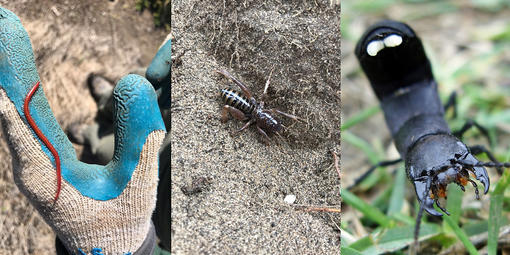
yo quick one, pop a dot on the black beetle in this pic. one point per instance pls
(392, 57)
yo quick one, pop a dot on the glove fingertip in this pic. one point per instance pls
(136, 113)
(159, 69)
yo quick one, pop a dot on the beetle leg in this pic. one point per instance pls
(236, 113)
(468, 125)
(424, 192)
(461, 186)
(245, 125)
(452, 102)
(371, 169)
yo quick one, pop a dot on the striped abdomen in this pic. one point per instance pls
(234, 99)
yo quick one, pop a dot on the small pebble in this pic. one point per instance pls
(289, 199)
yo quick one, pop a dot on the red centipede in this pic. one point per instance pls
(43, 138)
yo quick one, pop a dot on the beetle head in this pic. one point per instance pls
(440, 160)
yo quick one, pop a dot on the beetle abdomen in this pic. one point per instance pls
(234, 99)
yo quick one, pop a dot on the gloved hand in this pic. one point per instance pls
(100, 208)
(158, 72)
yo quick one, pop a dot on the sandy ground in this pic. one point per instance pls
(240, 207)
(70, 39)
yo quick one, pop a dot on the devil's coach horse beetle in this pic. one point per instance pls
(393, 58)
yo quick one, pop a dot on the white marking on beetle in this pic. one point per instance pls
(389, 41)
(392, 40)
(374, 47)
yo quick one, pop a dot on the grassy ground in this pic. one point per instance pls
(468, 43)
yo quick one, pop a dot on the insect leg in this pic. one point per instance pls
(266, 137)
(246, 125)
(233, 111)
(468, 125)
(371, 169)
(243, 87)
(452, 103)
(479, 149)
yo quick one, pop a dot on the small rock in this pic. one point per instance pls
(289, 199)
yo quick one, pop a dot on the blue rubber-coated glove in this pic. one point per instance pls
(99, 208)
(158, 72)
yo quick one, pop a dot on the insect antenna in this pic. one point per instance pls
(478, 149)
(485, 164)
(371, 169)
(264, 94)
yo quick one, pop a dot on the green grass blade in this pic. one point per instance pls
(360, 117)
(495, 218)
(369, 211)
(362, 145)
(349, 251)
(495, 215)
(382, 199)
(406, 219)
(461, 235)
(397, 195)
(394, 239)
(454, 205)
(473, 228)
(370, 153)
(502, 183)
